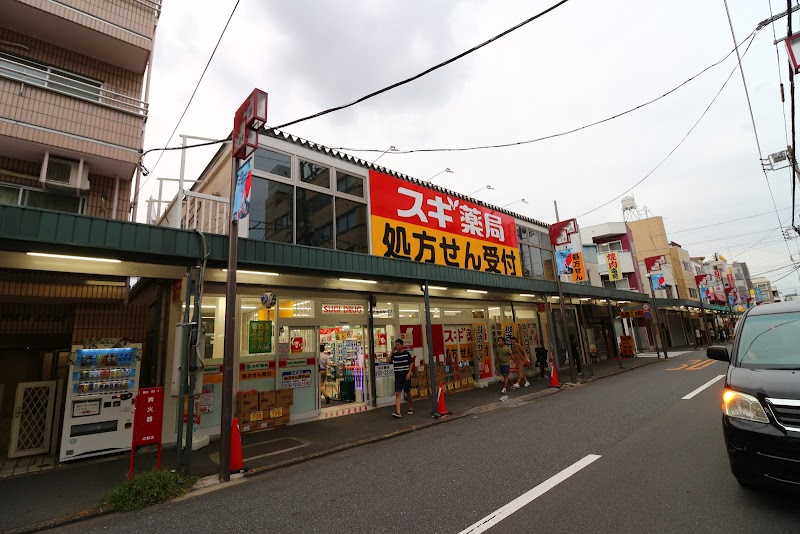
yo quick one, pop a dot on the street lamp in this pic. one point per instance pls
(520, 200)
(390, 149)
(438, 173)
(489, 187)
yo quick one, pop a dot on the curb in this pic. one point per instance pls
(64, 520)
(624, 370)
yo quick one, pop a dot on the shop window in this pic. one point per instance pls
(351, 226)
(54, 201)
(537, 267)
(272, 162)
(295, 308)
(349, 184)
(314, 219)
(524, 254)
(479, 314)
(536, 238)
(408, 310)
(457, 313)
(312, 173)
(271, 211)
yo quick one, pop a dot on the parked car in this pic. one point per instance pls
(761, 400)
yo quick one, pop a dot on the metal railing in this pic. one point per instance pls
(189, 211)
(50, 79)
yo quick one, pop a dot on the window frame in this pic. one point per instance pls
(299, 177)
(49, 70)
(24, 192)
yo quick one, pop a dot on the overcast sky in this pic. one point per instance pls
(583, 62)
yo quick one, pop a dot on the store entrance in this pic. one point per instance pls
(347, 380)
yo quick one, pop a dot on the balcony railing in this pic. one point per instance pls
(195, 211)
(74, 86)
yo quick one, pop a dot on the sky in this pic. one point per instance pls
(578, 64)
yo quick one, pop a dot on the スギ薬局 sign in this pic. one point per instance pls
(413, 222)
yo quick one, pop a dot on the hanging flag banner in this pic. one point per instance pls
(241, 199)
(612, 263)
(703, 280)
(658, 282)
(578, 270)
(759, 295)
(655, 263)
(705, 293)
(564, 261)
(414, 222)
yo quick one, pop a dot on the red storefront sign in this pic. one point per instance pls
(655, 263)
(414, 222)
(147, 422)
(249, 118)
(560, 231)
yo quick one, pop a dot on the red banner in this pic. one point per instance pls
(411, 203)
(655, 263)
(561, 230)
(148, 413)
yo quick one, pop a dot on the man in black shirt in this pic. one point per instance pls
(403, 364)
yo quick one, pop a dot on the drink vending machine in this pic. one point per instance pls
(102, 386)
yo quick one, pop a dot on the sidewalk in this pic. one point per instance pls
(76, 488)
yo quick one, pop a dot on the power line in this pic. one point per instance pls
(726, 222)
(560, 134)
(428, 71)
(189, 103)
(780, 76)
(646, 176)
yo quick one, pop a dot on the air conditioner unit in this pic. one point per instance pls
(64, 173)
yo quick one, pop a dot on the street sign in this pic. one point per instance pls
(646, 307)
(250, 117)
(647, 315)
(147, 421)
(560, 231)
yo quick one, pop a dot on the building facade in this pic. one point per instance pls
(73, 107)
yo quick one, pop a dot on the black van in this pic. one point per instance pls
(761, 401)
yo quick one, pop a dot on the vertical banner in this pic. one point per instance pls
(241, 200)
(483, 358)
(564, 261)
(578, 269)
(658, 282)
(612, 263)
(260, 337)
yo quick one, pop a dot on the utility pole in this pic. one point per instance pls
(657, 329)
(570, 354)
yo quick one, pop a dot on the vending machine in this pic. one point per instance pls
(98, 415)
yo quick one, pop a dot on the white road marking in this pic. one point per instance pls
(526, 498)
(701, 388)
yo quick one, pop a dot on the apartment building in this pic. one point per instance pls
(73, 106)
(615, 237)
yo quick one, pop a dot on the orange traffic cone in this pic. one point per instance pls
(237, 464)
(554, 375)
(441, 408)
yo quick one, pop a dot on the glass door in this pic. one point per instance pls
(384, 337)
(348, 376)
(298, 370)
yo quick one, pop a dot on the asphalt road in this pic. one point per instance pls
(662, 467)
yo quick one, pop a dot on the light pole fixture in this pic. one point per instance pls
(438, 173)
(520, 200)
(390, 149)
(489, 187)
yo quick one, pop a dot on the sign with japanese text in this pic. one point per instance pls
(612, 262)
(249, 118)
(482, 354)
(296, 379)
(655, 263)
(297, 344)
(259, 337)
(148, 413)
(414, 222)
(626, 346)
(578, 269)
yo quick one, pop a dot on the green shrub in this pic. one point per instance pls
(146, 490)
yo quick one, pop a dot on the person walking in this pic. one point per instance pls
(520, 360)
(698, 337)
(541, 361)
(576, 353)
(504, 363)
(403, 366)
(324, 358)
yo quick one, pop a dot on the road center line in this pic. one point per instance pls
(701, 388)
(526, 498)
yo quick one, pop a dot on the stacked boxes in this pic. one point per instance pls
(260, 410)
(421, 382)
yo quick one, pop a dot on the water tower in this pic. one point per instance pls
(631, 212)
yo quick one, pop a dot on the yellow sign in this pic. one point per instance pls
(578, 269)
(626, 346)
(612, 263)
(397, 239)
(256, 374)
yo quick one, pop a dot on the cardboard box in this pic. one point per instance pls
(265, 423)
(251, 417)
(414, 393)
(247, 426)
(266, 400)
(281, 421)
(449, 385)
(284, 397)
(278, 411)
(457, 383)
(414, 382)
(246, 401)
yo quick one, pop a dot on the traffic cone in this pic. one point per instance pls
(441, 408)
(237, 464)
(554, 375)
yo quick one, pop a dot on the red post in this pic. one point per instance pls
(147, 416)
